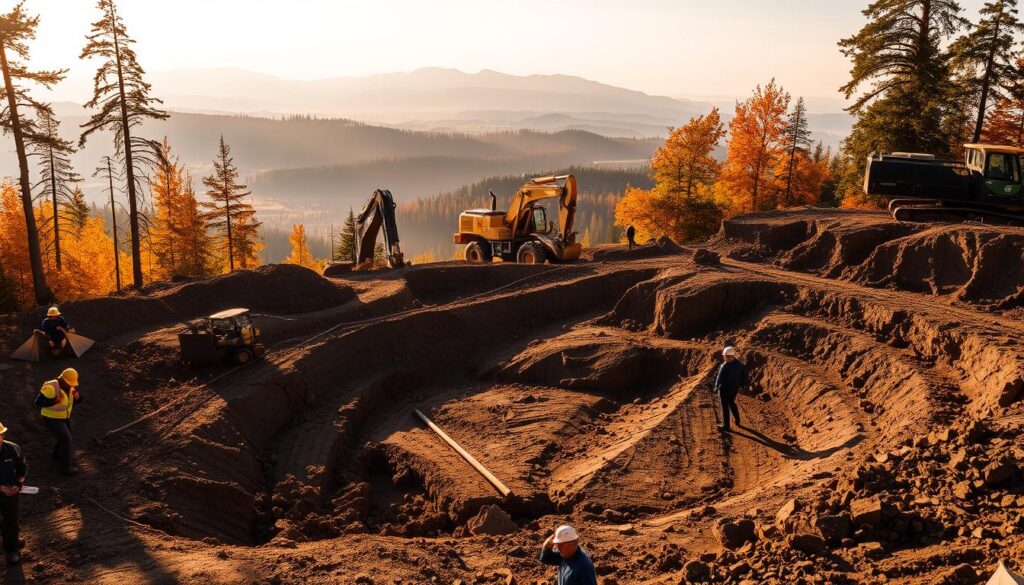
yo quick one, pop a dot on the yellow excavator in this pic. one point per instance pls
(523, 233)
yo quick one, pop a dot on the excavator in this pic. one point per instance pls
(379, 212)
(523, 233)
(987, 186)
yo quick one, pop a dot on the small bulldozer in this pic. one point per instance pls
(225, 336)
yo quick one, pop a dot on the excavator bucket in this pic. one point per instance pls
(29, 351)
(79, 343)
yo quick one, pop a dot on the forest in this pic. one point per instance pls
(924, 77)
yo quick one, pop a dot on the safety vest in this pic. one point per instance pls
(60, 410)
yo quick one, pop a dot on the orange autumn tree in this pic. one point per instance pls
(13, 247)
(178, 237)
(1006, 123)
(750, 176)
(301, 255)
(684, 168)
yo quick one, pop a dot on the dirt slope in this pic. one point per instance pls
(880, 443)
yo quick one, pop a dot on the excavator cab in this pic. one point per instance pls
(523, 233)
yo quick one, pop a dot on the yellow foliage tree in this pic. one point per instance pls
(684, 169)
(749, 179)
(301, 255)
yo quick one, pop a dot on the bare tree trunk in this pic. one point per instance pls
(56, 210)
(133, 210)
(42, 292)
(986, 82)
(113, 222)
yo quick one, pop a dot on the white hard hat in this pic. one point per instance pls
(565, 534)
(730, 350)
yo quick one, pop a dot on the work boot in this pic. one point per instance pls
(13, 557)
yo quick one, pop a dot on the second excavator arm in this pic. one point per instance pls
(378, 212)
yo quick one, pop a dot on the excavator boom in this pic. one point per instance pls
(379, 212)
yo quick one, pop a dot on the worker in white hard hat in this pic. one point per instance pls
(562, 550)
(13, 470)
(56, 328)
(732, 377)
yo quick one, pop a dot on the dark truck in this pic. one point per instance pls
(986, 186)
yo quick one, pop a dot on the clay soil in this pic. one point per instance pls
(880, 439)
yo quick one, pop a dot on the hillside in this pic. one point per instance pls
(881, 436)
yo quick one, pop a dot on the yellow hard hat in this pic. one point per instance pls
(53, 312)
(70, 377)
(3, 429)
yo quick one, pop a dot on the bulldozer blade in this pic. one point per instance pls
(29, 351)
(79, 343)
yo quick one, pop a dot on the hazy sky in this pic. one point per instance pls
(669, 47)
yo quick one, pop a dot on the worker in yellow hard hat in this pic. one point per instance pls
(56, 328)
(56, 399)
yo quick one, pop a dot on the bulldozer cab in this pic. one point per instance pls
(997, 167)
(228, 334)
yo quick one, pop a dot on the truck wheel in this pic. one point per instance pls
(530, 253)
(476, 253)
(243, 355)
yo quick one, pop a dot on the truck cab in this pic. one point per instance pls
(996, 171)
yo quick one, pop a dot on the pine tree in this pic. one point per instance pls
(191, 231)
(56, 175)
(898, 57)
(798, 143)
(229, 212)
(167, 186)
(989, 52)
(16, 30)
(75, 210)
(346, 250)
(122, 97)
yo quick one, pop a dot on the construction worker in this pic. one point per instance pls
(56, 328)
(631, 236)
(57, 398)
(13, 470)
(562, 550)
(732, 376)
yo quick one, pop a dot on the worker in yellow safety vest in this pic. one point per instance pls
(56, 399)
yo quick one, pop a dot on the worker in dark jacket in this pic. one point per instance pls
(732, 376)
(562, 550)
(56, 328)
(12, 476)
(631, 236)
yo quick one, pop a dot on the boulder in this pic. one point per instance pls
(833, 528)
(866, 511)
(492, 521)
(734, 533)
(998, 473)
(705, 257)
(808, 543)
(696, 572)
(787, 511)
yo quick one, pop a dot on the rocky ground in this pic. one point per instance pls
(880, 441)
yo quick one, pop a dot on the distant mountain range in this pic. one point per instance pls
(449, 100)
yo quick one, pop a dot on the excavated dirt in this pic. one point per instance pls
(880, 444)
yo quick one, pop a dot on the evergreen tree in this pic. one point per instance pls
(56, 175)
(75, 210)
(122, 97)
(167, 186)
(229, 212)
(989, 53)
(16, 30)
(191, 231)
(898, 57)
(798, 142)
(346, 250)
(106, 170)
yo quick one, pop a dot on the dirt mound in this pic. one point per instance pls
(975, 265)
(663, 246)
(277, 288)
(492, 521)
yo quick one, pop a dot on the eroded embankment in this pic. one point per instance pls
(293, 417)
(968, 263)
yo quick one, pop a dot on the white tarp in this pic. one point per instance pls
(1003, 576)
